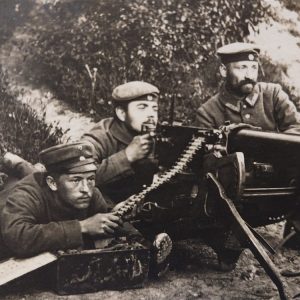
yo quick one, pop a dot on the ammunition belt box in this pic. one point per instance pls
(93, 270)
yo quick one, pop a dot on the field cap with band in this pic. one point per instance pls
(238, 52)
(69, 158)
(135, 90)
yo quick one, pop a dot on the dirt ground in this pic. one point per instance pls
(194, 275)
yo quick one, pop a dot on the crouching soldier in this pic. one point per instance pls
(121, 147)
(60, 209)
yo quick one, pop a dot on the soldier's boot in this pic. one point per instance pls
(17, 166)
(3, 179)
(3, 175)
(291, 235)
(227, 247)
(160, 252)
(228, 259)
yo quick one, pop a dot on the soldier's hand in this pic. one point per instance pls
(139, 147)
(236, 126)
(100, 224)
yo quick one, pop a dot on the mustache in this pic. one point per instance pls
(247, 81)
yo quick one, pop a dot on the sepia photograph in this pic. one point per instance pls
(149, 149)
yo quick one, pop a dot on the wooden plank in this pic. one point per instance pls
(13, 268)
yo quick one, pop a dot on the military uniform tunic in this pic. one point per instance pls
(34, 220)
(268, 107)
(116, 177)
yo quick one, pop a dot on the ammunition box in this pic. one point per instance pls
(93, 270)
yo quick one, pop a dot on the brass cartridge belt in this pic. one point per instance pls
(188, 154)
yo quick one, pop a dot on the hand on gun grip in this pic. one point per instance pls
(139, 148)
(101, 224)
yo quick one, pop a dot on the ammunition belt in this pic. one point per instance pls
(188, 154)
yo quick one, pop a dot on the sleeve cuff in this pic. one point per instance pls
(123, 162)
(73, 235)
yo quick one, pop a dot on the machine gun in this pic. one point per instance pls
(230, 181)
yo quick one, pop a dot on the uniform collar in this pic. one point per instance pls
(119, 131)
(234, 102)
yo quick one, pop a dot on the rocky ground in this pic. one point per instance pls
(194, 274)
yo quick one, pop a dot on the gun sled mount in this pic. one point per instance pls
(223, 183)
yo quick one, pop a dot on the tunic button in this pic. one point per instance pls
(244, 106)
(247, 116)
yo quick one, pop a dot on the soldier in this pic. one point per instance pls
(61, 209)
(121, 148)
(242, 99)
(54, 210)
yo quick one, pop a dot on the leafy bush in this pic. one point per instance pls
(277, 73)
(293, 5)
(12, 14)
(21, 131)
(85, 48)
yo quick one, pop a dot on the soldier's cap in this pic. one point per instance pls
(135, 90)
(69, 158)
(238, 52)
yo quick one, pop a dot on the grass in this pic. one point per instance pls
(22, 131)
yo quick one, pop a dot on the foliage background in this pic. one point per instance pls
(168, 43)
(171, 44)
(23, 132)
(13, 13)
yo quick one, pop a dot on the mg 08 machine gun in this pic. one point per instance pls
(214, 184)
(220, 184)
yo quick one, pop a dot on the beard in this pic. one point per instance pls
(243, 88)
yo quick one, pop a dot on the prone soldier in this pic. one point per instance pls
(54, 210)
(61, 209)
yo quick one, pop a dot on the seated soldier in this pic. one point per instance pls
(242, 99)
(61, 209)
(121, 148)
